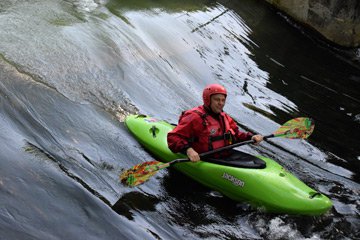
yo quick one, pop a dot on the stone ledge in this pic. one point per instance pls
(336, 20)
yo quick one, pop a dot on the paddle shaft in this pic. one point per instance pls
(293, 129)
(219, 149)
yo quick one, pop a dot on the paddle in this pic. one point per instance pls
(140, 173)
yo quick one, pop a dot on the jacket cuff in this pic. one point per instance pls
(183, 150)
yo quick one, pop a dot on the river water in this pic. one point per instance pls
(72, 70)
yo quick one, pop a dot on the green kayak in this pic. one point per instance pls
(257, 180)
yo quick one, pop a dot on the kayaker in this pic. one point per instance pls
(207, 127)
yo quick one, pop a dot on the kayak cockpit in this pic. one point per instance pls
(238, 159)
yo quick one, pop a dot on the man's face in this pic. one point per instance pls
(217, 102)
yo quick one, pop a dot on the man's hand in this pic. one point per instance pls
(192, 155)
(257, 138)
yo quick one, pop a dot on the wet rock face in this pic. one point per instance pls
(337, 20)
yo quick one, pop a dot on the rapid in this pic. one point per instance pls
(72, 70)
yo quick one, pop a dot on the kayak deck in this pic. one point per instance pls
(262, 183)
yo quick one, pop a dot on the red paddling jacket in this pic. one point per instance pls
(204, 130)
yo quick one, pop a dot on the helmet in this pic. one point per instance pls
(211, 90)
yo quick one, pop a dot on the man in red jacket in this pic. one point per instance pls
(207, 127)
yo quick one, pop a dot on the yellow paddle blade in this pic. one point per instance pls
(140, 173)
(296, 128)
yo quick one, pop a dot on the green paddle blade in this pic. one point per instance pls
(140, 173)
(296, 128)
